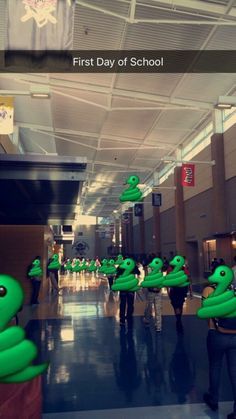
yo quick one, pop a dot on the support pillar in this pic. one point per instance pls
(130, 232)
(179, 213)
(124, 236)
(117, 236)
(142, 233)
(156, 231)
(219, 213)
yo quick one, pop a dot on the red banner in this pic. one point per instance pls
(188, 175)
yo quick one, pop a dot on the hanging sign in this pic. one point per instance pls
(138, 210)
(188, 175)
(156, 199)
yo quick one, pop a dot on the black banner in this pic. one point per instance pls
(156, 199)
(138, 210)
(194, 61)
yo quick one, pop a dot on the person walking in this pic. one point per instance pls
(177, 297)
(35, 273)
(127, 299)
(154, 298)
(221, 341)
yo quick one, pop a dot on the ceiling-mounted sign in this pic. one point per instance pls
(138, 210)
(125, 218)
(188, 175)
(156, 199)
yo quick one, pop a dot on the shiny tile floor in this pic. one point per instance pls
(98, 370)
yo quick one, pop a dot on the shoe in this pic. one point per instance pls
(207, 399)
(231, 416)
(157, 330)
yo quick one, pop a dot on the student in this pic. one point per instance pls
(234, 271)
(53, 275)
(221, 340)
(177, 297)
(154, 298)
(36, 284)
(127, 301)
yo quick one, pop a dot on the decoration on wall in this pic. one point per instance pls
(177, 277)
(54, 264)
(81, 248)
(133, 193)
(36, 269)
(6, 115)
(188, 174)
(16, 352)
(155, 278)
(222, 301)
(41, 11)
(126, 281)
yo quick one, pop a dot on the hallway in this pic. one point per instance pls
(96, 366)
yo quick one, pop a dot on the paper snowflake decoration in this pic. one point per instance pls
(41, 11)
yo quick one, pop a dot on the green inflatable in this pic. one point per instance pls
(54, 264)
(77, 267)
(68, 266)
(177, 277)
(36, 269)
(110, 269)
(155, 278)
(222, 301)
(126, 281)
(133, 193)
(92, 267)
(119, 260)
(84, 266)
(16, 352)
(103, 266)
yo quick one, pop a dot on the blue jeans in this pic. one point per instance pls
(218, 345)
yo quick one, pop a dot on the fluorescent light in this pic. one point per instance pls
(40, 95)
(40, 92)
(223, 106)
(225, 102)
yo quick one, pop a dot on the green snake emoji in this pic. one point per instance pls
(222, 301)
(36, 269)
(126, 281)
(133, 193)
(103, 266)
(54, 264)
(110, 268)
(155, 278)
(76, 268)
(16, 352)
(119, 260)
(92, 267)
(68, 266)
(177, 277)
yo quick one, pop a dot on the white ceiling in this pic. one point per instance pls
(125, 123)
